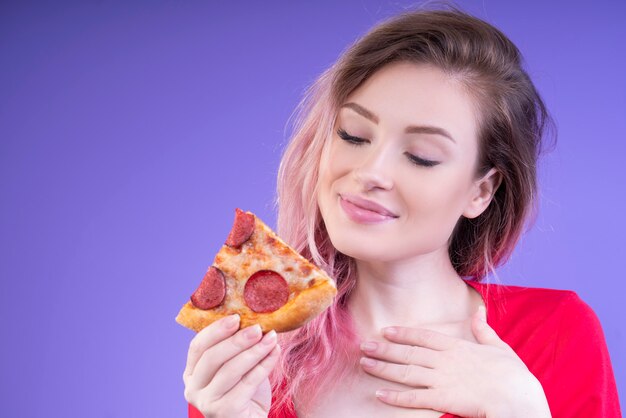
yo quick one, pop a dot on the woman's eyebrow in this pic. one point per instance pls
(412, 129)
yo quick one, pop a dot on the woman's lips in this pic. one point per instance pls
(360, 215)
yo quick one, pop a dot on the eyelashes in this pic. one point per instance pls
(356, 141)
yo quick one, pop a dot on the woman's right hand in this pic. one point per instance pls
(227, 370)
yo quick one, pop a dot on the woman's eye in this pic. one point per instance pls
(422, 162)
(349, 138)
(353, 140)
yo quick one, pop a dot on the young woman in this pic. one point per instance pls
(411, 176)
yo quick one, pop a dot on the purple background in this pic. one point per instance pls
(129, 132)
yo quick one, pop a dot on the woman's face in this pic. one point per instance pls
(423, 176)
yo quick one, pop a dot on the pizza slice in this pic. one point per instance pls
(257, 275)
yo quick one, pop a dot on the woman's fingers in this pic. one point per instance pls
(208, 337)
(237, 367)
(422, 337)
(408, 374)
(215, 356)
(415, 398)
(401, 353)
(224, 362)
(249, 383)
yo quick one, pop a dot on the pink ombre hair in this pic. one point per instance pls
(512, 122)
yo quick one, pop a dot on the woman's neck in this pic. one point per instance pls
(423, 290)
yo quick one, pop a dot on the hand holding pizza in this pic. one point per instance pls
(454, 375)
(227, 370)
(257, 283)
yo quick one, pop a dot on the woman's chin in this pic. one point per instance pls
(363, 253)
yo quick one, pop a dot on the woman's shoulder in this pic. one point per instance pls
(517, 294)
(539, 306)
(523, 315)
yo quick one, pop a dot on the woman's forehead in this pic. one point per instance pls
(413, 100)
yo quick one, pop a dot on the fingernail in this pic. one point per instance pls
(252, 332)
(369, 346)
(381, 393)
(368, 362)
(231, 321)
(390, 331)
(269, 338)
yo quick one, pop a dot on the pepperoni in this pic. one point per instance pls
(266, 291)
(211, 291)
(242, 228)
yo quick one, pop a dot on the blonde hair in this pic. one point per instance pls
(513, 118)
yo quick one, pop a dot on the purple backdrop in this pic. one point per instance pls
(129, 132)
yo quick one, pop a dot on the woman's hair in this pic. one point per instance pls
(512, 119)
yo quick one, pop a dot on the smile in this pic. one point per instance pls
(361, 215)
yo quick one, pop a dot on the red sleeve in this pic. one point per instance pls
(581, 382)
(194, 413)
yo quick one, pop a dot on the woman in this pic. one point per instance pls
(410, 177)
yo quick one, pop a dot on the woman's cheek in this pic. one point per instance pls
(340, 163)
(436, 205)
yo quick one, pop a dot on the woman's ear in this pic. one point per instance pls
(483, 191)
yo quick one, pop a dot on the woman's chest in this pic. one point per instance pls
(359, 400)
(355, 396)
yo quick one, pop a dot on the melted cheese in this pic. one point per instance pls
(264, 250)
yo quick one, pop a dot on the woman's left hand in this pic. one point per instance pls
(455, 375)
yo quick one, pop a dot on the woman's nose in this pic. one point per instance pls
(375, 171)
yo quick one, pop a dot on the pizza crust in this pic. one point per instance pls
(295, 313)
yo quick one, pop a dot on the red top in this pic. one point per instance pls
(559, 338)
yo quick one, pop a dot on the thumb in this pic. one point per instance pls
(482, 330)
